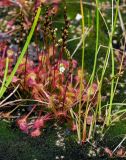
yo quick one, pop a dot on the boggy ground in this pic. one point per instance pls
(55, 143)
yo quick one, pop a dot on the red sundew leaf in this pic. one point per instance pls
(65, 63)
(39, 123)
(5, 3)
(47, 117)
(37, 69)
(108, 151)
(74, 62)
(1, 74)
(43, 92)
(43, 75)
(29, 62)
(22, 123)
(35, 133)
(74, 127)
(31, 79)
(15, 79)
(61, 114)
(8, 3)
(2, 63)
(10, 23)
(27, 24)
(36, 95)
(38, 3)
(31, 82)
(23, 65)
(2, 66)
(120, 152)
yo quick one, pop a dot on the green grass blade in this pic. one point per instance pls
(82, 74)
(23, 52)
(113, 65)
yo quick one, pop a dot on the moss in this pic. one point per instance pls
(118, 129)
(114, 135)
(15, 145)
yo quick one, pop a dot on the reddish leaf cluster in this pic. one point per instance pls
(54, 82)
(33, 128)
(6, 3)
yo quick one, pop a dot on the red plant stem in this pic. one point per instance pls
(61, 54)
(60, 57)
(67, 81)
(41, 63)
(4, 51)
(54, 84)
(31, 111)
(36, 40)
(37, 4)
(40, 112)
(47, 55)
(64, 97)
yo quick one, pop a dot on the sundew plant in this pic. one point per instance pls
(44, 80)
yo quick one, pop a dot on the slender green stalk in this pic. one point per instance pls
(97, 40)
(75, 119)
(109, 50)
(121, 111)
(88, 19)
(112, 89)
(82, 74)
(123, 56)
(22, 53)
(93, 72)
(113, 65)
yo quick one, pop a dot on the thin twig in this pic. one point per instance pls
(80, 42)
(9, 95)
(23, 100)
(119, 144)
